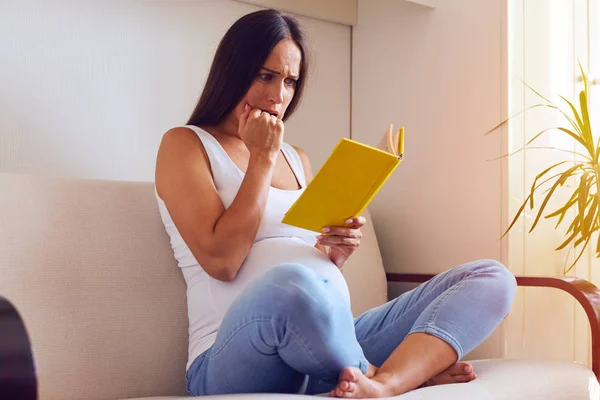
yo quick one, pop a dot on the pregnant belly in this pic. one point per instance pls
(269, 253)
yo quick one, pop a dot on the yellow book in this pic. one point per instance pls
(347, 182)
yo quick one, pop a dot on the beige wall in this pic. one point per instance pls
(88, 88)
(447, 74)
(439, 73)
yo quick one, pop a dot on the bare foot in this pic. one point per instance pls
(354, 384)
(458, 373)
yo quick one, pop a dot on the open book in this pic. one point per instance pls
(347, 182)
(393, 143)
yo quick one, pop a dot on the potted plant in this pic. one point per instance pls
(585, 197)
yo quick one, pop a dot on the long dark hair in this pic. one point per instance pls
(238, 59)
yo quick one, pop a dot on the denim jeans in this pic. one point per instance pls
(290, 325)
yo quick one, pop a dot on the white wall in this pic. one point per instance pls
(87, 88)
(439, 73)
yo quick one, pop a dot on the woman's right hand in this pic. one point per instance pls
(261, 132)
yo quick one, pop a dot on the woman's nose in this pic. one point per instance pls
(276, 93)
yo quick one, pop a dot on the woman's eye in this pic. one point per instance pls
(291, 82)
(265, 77)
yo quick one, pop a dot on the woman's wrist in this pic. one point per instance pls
(264, 159)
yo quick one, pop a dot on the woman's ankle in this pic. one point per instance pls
(394, 385)
(371, 371)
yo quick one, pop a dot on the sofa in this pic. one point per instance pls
(87, 267)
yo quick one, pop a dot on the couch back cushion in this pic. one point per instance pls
(89, 266)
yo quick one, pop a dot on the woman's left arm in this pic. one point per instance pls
(339, 242)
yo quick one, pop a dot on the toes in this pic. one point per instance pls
(347, 386)
(461, 368)
(464, 378)
(351, 387)
(467, 368)
(457, 373)
(344, 387)
(350, 374)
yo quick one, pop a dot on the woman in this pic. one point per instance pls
(267, 303)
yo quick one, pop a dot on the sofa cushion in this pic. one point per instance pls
(364, 272)
(497, 380)
(89, 266)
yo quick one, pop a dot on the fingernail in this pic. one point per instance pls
(349, 221)
(246, 107)
(326, 230)
(319, 237)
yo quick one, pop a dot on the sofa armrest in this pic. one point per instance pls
(17, 370)
(584, 292)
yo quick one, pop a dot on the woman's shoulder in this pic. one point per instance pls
(180, 142)
(300, 152)
(181, 131)
(180, 151)
(187, 135)
(304, 160)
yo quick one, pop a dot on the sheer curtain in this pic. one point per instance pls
(546, 39)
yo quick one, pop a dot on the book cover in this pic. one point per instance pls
(344, 186)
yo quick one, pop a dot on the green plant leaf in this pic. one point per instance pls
(584, 76)
(566, 242)
(581, 239)
(542, 147)
(516, 217)
(598, 243)
(516, 115)
(587, 239)
(581, 141)
(582, 199)
(587, 132)
(534, 187)
(579, 124)
(586, 138)
(559, 181)
(563, 210)
(552, 105)
(580, 254)
(574, 226)
(587, 214)
(589, 219)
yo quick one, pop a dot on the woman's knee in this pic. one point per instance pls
(290, 277)
(501, 284)
(297, 288)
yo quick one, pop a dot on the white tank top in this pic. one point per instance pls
(209, 299)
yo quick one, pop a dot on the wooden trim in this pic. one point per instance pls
(424, 3)
(343, 12)
(583, 291)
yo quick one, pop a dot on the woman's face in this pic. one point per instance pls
(275, 85)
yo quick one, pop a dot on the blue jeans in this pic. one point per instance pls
(289, 324)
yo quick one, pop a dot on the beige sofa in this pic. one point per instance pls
(88, 265)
